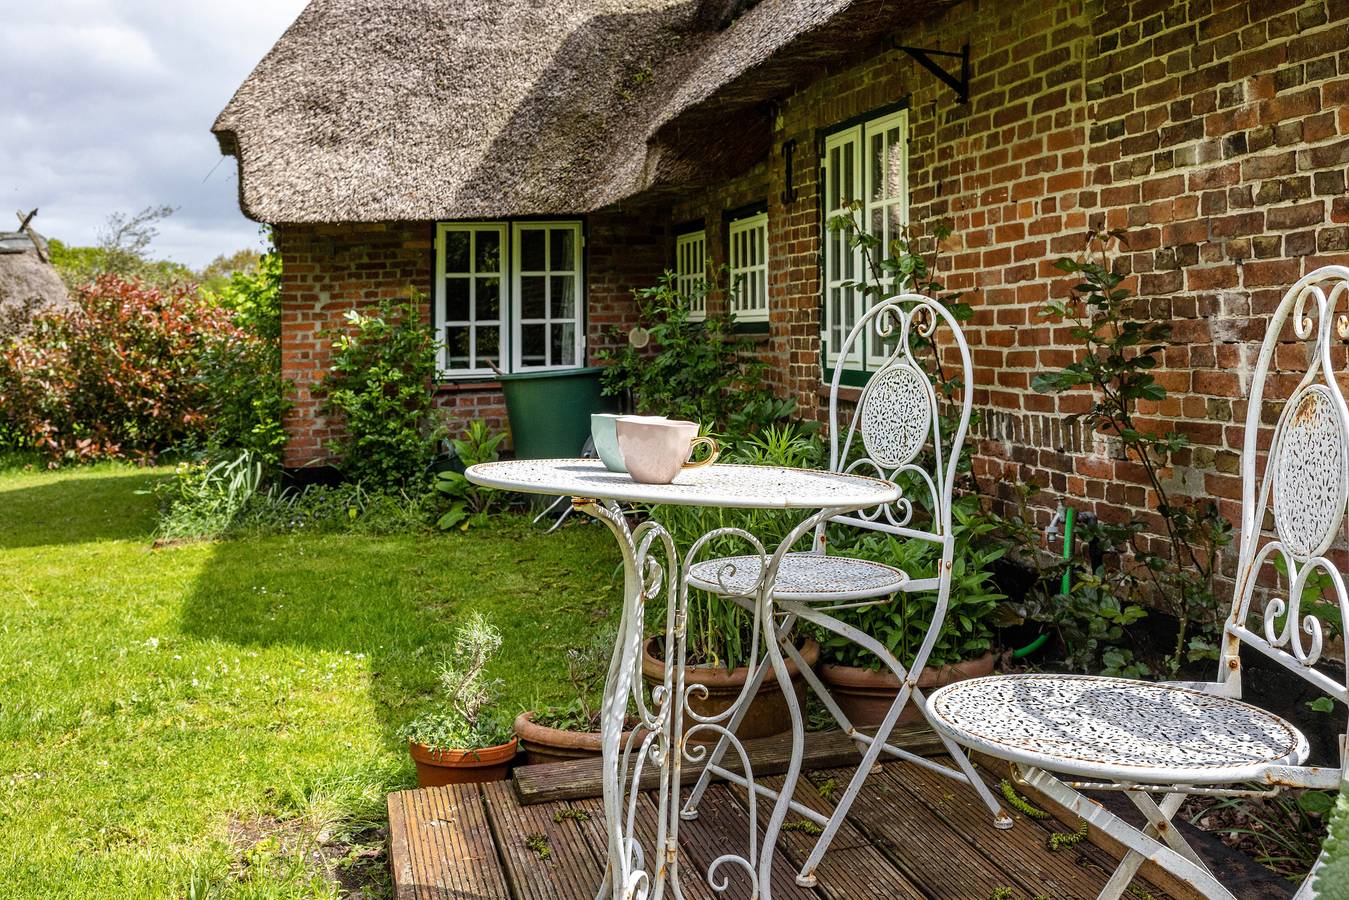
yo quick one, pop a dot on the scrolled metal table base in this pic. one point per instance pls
(651, 567)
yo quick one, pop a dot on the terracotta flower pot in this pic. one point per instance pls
(767, 713)
(865, 695)
(542, 744)
(439, 767)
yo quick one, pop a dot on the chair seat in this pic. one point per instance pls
(1115, 728)
(807, 577)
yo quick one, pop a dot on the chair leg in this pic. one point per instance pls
(690, 810)
(1140, 845)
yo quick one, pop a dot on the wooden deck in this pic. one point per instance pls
(911, 834)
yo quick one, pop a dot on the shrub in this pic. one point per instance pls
(206, 500)
(120, 374)
(249, 396)
(380, 383)
(470, 504)
(701, 371)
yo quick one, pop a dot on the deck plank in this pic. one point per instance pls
(927, 850)
(582, 778)
(852, 869)
(450, 852)
(569, 869)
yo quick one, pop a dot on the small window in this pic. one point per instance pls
(748, 258)
(691, 271)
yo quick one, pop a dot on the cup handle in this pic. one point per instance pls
(713, 451)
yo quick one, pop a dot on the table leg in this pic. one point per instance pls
(649, 563)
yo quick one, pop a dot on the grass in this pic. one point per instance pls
(218, 720)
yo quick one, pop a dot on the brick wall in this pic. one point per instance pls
(330, 269)
(1216, 132)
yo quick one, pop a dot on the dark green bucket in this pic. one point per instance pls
(550, 411)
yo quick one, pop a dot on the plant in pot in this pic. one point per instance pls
(964, 648)
(464, 740)
(571, 730)
(719, 632)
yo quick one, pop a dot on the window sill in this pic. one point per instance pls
(466, 385)
(847, 393)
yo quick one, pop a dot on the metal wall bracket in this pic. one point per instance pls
(961, 84)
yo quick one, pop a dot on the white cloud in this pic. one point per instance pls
(108, 107)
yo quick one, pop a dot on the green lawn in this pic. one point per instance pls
(219, 719)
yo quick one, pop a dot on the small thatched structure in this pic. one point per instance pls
(28, 280)
(369, 111)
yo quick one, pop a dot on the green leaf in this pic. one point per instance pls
(1321, 705)
(1315, 802)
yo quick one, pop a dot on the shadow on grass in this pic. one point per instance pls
(397, 599)
(77, 510)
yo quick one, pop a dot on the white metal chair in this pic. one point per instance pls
(1171, 740)
(895, 418)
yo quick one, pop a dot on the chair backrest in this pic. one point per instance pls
(899, 414)
(1302, 479)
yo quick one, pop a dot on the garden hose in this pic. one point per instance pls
(1064, 587)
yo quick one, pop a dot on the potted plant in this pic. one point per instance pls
(463, 741)
(570, 730)
(859, 683)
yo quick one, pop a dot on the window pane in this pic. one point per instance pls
(456, 343)
(833, 198)
(895, 212)
(877, 167)
(456, 251)
(894, 164)
(489, 345)
(563, 297)
(532, 250)
(561, 250)
(456, 299)
(532, 344)
(564, 344)
(849, 174)
(532, 296)
(489, 299)
(489, 251)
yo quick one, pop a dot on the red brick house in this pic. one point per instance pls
(526, 165)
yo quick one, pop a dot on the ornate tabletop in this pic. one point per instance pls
(737, 486)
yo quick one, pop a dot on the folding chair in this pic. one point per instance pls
(895, 418)
(1173, 740)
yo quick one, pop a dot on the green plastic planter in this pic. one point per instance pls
(550, 411)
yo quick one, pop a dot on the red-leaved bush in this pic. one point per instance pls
(119, 375)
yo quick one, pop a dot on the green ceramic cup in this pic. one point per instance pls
(606, 441)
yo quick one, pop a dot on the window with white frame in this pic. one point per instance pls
(509, 295)
(747, 259)
(469, 297)
(548, 308)
(691, 271)
(867, 163)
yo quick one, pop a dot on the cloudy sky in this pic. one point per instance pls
(106, 106)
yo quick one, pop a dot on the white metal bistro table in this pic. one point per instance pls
(651, 565)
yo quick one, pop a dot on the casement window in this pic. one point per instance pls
(691, 271)
(866, 162)
(509, 295)
(747, 258)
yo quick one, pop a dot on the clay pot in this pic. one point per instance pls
(767, 713)
(866, 695)
(440, 767)
(542, 744)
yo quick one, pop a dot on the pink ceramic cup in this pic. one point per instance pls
(656, 450)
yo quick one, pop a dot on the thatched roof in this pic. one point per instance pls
(372, 110)
(27, 281)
